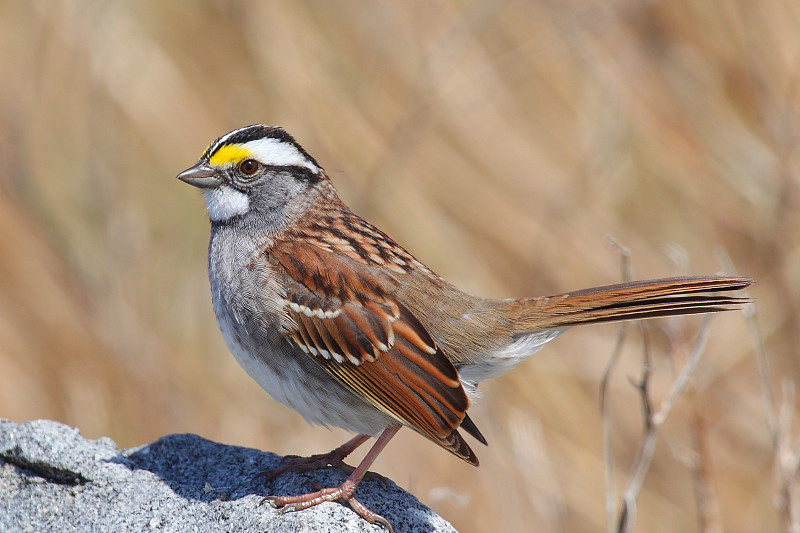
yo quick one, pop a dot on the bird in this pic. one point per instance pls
(336, 320)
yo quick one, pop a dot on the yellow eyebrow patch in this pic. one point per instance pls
(230, 153)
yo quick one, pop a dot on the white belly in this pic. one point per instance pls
(291, 377)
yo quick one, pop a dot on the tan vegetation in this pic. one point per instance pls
(500, 142)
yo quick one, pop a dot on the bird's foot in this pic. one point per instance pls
(345, 492)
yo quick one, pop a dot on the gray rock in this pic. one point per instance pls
(52, 479)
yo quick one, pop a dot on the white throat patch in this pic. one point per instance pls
(225, 202)
(271, 151)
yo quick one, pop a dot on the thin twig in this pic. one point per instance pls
(608, 449)
(652, 422)
(645, 452)
(608, 446)
(762, 362)
(652, 419)
(786, 458)
(700, 462)
(686, 372)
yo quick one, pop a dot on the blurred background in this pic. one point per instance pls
(501, 142)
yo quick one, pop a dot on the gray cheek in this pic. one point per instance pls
(279, 190)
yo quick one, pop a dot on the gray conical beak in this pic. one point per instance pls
(200, 175)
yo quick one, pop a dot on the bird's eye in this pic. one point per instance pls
(248, 167)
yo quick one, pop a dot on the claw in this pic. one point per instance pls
(267, 499)
(368, 515)
(374, 476)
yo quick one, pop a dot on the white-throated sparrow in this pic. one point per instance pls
(336, 320)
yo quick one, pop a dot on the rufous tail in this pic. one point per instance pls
(631, 301)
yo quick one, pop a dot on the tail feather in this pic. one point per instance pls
(455, 444)
(630, 301)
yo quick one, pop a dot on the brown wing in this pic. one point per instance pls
(347, 320)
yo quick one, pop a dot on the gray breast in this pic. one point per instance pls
(248, 305)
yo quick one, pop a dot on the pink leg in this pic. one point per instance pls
(303, 464)
(346, 490)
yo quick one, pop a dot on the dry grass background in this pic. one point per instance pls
(499, 141)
